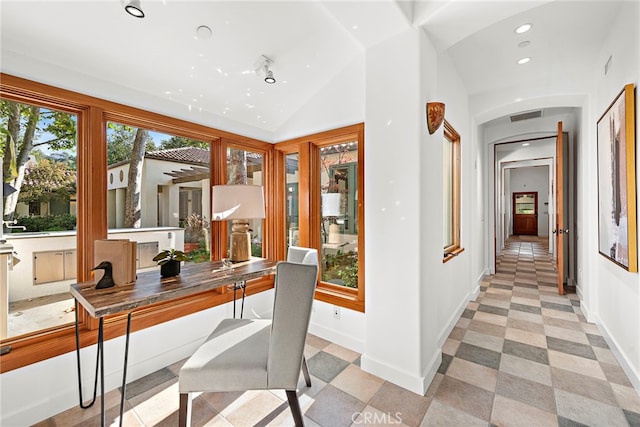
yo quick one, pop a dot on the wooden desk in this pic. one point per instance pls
(150, 288)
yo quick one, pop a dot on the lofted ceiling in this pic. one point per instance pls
(163, 63)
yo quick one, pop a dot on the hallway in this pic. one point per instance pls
(523, 355)
(520, 355)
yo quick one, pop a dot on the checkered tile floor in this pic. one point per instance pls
(520, 355)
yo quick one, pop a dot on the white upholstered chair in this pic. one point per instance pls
(302, 255)
(257, 354)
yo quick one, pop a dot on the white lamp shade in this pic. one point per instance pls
(331, 204)
(238, 201)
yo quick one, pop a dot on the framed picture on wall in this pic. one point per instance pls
(617, 181)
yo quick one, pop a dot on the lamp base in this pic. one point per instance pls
(240, 248)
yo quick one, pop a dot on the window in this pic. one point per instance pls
(245, 167)
(162, 185)
(92, 127)
(339, 214)
(321, 193)
(451, 192)
(39, 162)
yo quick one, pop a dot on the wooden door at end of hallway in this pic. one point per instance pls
(525, 213)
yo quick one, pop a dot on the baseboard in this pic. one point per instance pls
(632, 374)
(347, 341)
(399, 377)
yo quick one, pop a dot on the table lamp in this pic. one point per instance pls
(240, 203)
(331, 210)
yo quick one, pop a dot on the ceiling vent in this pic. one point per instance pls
(526, 116)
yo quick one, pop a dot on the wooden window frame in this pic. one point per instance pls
(308, 149)
(450, 134)
(93, 114)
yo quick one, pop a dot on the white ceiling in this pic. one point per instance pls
(160, 60)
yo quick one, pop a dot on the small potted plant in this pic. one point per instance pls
(169, 262)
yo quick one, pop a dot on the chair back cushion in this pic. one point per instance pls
(302, 255)
(295, 285)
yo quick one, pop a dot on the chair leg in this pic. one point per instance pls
(184, 413)
(292, 397)
(305, 371)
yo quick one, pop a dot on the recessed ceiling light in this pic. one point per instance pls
(523, 28)
(524, 43)
(526, 144)
(203, 32)
(523, 60)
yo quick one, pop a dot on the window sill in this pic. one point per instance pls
(36, 348)
(451, 254)
(342, 298)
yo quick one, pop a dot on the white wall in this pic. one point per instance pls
(339, 103)
(445, 287)
(615, 293)
(393, 221)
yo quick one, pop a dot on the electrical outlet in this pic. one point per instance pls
(336, 312)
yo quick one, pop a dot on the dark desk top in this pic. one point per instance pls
(150, 288)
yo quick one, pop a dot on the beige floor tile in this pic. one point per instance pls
(590, 328)
(490, 318)
(465, 397)
(627, 397)
(483, 340)
(157, 404)
(576, 364)
(373, 417)
(525, 368)
(463, 323)
(496, 302)
(525, 325)
(357, 383)
(566, 334)
(604, 355)
(487, 328)
(566, 324)
(473, 305)
(441, 415)
(557, 314)
(583, 385)
(341, 352)
(526, 337)
(588, 411)
(498, 291)
(472, 373)
(526, 301)
(450, 346)
(251, 408)
(523, 315)
(508, 412)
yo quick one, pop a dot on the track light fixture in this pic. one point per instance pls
(262, 64)
(133, 8)
(269, 77)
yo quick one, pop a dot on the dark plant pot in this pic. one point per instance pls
(170, 269)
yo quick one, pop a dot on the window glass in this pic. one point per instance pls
(39, 170)
(451, 191)
(292, 210)
(159, 196)
(339, 213)
(246, 167)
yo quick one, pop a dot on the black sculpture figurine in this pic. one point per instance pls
(107, 279)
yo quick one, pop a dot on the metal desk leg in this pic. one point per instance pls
(100, 366)
(239, 285)
(95, 384)
(124, 370)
